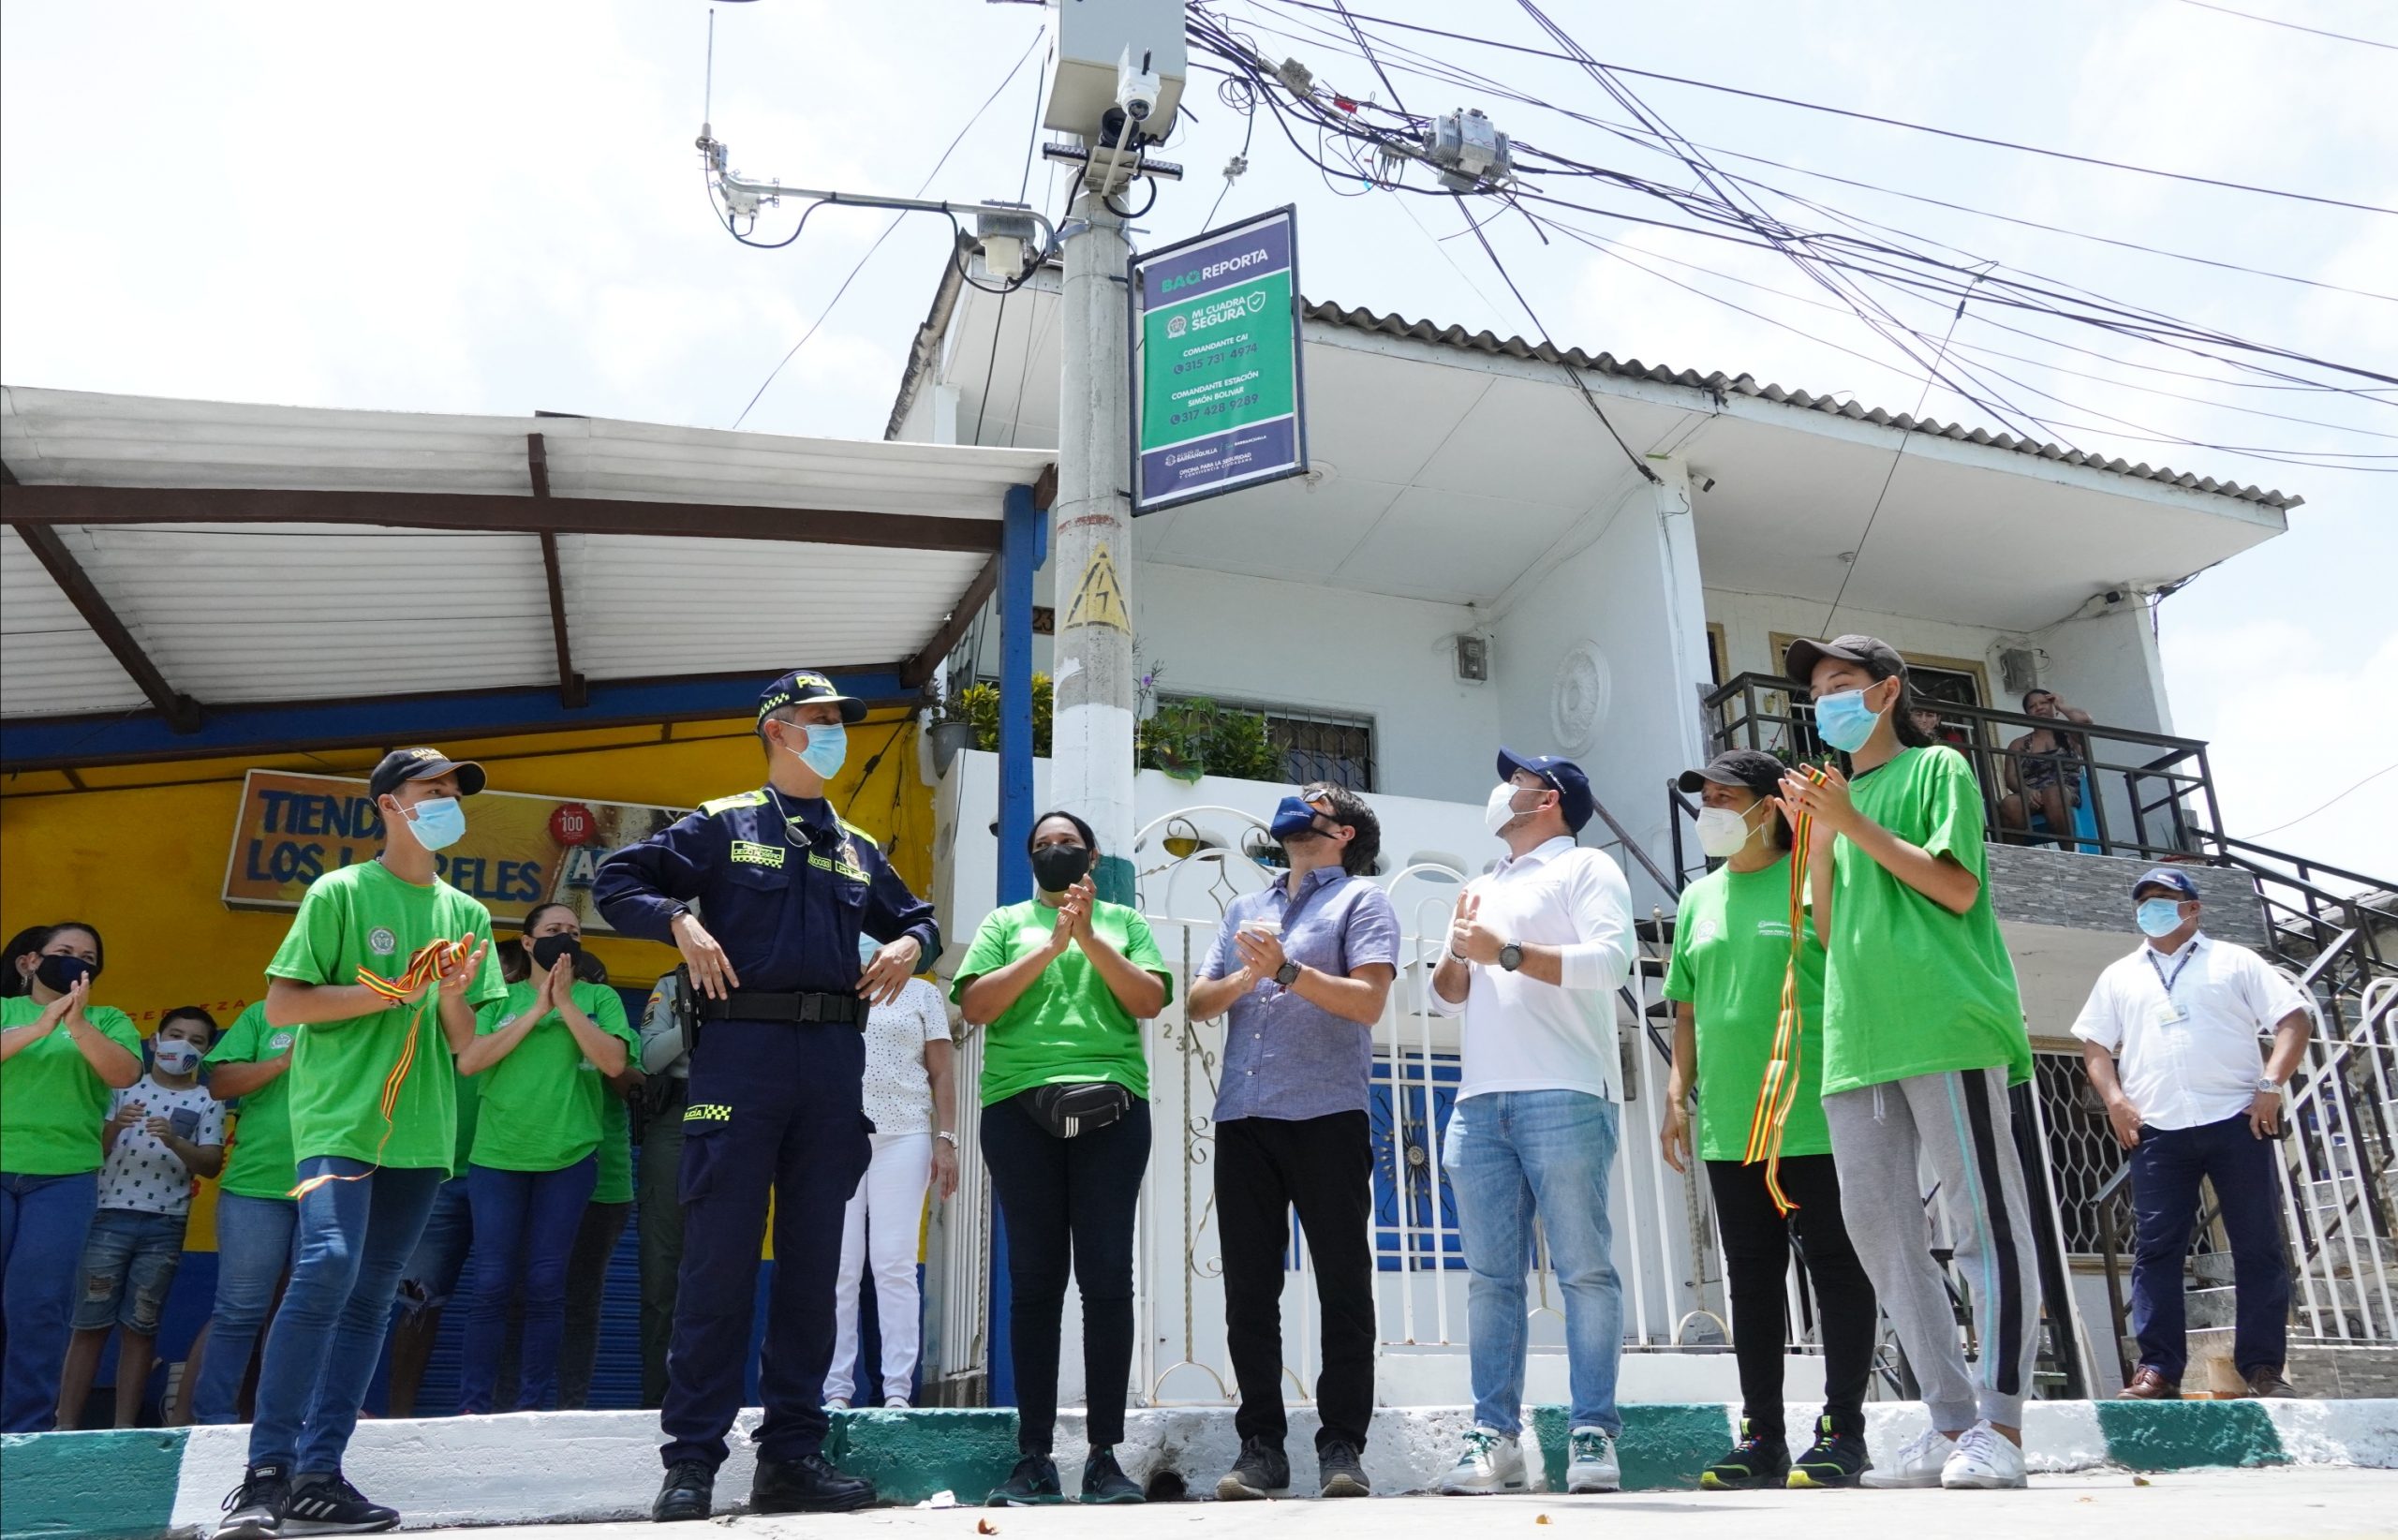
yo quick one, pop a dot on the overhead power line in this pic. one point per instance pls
(2294, 27)
(1867, 117)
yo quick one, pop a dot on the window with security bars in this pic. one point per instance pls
(1314, 744)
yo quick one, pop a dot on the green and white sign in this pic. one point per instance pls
(1217, 402)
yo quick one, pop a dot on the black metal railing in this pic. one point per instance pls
(2148, 794)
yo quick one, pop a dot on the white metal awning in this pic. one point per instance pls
(183, 554)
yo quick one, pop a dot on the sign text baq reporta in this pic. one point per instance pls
(519, 851)
(1215, 396)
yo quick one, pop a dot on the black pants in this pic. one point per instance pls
(1323, 1167)
(1757, 1254)
(1068, 1200)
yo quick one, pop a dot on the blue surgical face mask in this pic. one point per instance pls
(2160, 916)
(1844, 720)
(1292, 816)
(828, 745)
(439, 823)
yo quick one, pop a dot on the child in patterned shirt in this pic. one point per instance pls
(164, 1132)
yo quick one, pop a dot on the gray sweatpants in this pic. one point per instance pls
(1957, 1125)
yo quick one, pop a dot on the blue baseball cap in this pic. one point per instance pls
(802, 685)
(1562, 775)
(2169, 880)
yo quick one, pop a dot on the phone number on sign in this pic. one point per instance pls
(1213, 410)
(1217, 357)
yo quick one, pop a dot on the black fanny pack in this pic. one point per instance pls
(1064, 1111)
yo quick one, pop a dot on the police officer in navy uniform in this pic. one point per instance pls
(783, 889)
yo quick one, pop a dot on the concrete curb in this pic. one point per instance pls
(596, 1465)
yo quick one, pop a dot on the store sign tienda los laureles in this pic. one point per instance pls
(1217, 402)
(518, 851)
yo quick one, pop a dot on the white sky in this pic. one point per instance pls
(497, 207)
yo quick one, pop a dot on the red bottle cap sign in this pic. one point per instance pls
(570, 824)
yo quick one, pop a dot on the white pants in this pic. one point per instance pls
(882, 1225)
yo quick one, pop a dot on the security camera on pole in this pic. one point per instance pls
(1116, 83)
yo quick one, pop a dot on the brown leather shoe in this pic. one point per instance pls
(2149, 1386)
(2268, 1385)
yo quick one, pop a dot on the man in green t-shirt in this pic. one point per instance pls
(1732, 953)
(1923, 1034)
(381, 974)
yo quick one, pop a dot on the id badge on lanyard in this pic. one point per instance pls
(2169, 1011)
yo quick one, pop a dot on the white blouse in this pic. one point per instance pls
(899, 1093)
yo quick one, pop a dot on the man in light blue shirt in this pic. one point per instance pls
(1301, 969)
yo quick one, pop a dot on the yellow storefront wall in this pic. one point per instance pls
(140, 851)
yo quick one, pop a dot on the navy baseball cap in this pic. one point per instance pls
(401, 766)
(801, 685)
(1754, 768)
(2171, 880)
(1563, 775)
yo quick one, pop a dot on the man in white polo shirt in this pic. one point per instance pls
(2170, 1037)
(1539, 949)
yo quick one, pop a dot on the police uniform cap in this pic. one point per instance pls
(802, 685)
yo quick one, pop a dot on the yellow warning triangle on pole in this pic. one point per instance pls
(1099, 600)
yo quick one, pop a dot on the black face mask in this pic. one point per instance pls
(59, 972)
(1057, 867)
(547, 950)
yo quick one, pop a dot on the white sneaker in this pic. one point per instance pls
(1919, 1464)
(1491, 1462)
(838, 1403)
(1592, 1465)
(896, 1403)
(1986, 1461)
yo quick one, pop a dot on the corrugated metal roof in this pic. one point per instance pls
(1395, 325)
(252, 612)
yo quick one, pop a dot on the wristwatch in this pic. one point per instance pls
(2266, 1083)
(1288, 974)
(1511, 957)
(946, 1137)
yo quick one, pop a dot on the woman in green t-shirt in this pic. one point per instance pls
(1061, 985)
(542, 1055)
(59, 1059)
(1732, 938)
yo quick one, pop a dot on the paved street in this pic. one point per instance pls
(2187, 1506)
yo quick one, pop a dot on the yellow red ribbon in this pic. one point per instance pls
(424, 969)
(1779, 1091)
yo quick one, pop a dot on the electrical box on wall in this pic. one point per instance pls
(1096, 38)
(1473, 659)
(2017, 670)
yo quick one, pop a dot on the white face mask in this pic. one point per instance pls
(1724, 833)
(1501, 809)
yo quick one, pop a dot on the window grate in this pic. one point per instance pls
(1315, 745)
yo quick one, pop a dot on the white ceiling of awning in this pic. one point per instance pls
(251, 612)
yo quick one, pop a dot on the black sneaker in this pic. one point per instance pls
(328, 1504)
(810, 1484)
(1032, 1484)
(688, 1493)
(254, 1509)
(1261, 1470)
(1759, 1459)
(1343, 1473)
(1834, 1459)
(1104, 1481)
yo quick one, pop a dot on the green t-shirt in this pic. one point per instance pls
(52, 1101)
(1731, 950)
(1069, 1025)
(543, 1104)
(258, 1164)
(615, 1183)
(364, 916)
(471, 1106)
(1910, 987)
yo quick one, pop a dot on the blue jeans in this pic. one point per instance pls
(320, 1354)
(1508, 1154)
(130, 1259)
(2166, 1167)
(526, 1223)
(253, 1250)
(431, 1276)
(43, 1221)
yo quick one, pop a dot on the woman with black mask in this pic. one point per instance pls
(59, 1056)
(544, 1055)
(1061, 985)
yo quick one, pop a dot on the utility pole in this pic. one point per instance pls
(1115, 82)
(1093, 679)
